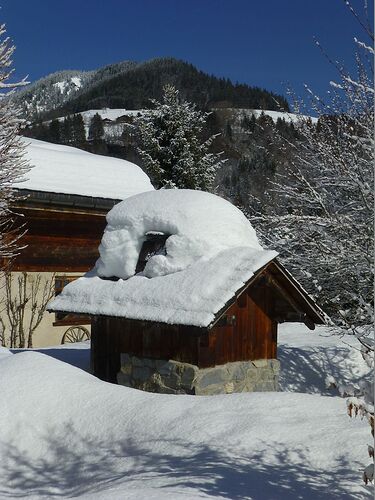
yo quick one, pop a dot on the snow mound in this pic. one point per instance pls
(67, 434)
(200, 225)
(211, 252)
(63, 169)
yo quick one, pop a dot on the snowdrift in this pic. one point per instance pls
(65, 433)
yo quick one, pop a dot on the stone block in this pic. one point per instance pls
(275, 364)
(229, 388)
(265, 387)
(123, 379)
(212, 376)
(260, 363)
(173, 381)
(237, 371)
(141, 373)
(210, 390)
(188, 375)
(136, 361)
(126, 369)
(150, 363)
(166, 368)
(125, 359)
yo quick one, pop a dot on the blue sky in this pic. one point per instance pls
(268, 43)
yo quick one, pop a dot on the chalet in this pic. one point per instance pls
(63, 204)
(184, 299)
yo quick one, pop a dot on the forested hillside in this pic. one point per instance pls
(131, 85)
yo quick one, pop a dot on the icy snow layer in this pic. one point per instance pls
(63, 169)
(68, 434)
(188, 297)
(200, 224)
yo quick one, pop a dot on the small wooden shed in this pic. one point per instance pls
(208, 329)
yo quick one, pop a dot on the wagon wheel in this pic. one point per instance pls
(75, 334)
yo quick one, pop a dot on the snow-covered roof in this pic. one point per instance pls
(211, 253)
(63, 169)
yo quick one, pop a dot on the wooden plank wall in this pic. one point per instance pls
(59, 241)
(112, 336)
(253, 336)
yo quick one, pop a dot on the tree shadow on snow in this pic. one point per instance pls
(306, 370)
(73, 356)
(77, 465)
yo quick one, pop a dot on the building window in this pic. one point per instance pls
(63, 318)
(154, 244)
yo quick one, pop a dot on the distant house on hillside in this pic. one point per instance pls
(67, 196)
(184, 299)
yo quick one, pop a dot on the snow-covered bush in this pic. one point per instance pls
(325, 207)
(13, 165)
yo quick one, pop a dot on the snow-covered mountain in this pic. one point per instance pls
(55, 90)
(131, 85)
(51, 92)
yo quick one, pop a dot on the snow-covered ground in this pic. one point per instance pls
(65, 433)
(108, 114)
(239, 113)
(63, 169)
(288, 117)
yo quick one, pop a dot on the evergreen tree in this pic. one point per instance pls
(171, 146)
(78, 130)
(66, 131)
(96, 129)
(54, 131)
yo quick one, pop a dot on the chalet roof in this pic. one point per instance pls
(72, 171)
(210, 253)
(188, 297)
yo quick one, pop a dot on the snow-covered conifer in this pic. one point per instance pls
(96, 129)
(13, 165)
(172, 147)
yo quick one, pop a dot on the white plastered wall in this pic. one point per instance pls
(46, 334)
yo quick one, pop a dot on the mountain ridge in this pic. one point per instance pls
(132, 85)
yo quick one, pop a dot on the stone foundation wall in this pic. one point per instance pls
(173, 377)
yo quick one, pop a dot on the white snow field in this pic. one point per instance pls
(68, 170)
(114, 114)
(67, 434)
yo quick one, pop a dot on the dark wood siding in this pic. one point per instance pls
(253, 334)
(112, 336)
(58, 240)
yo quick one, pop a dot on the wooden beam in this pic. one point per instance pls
(285, 294)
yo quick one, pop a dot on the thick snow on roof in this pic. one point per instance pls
(212, 251)
(63, 169)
